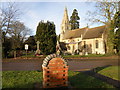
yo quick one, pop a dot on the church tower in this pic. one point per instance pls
(65, 25)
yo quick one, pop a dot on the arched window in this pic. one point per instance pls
(68, 47)
(97, 44)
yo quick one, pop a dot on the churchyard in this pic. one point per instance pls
(36, 56)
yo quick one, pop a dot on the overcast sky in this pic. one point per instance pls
(34, 12)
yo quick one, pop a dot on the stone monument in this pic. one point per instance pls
(38, 48)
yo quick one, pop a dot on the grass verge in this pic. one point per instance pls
(111, 71)
(89, 55)
(26, 79)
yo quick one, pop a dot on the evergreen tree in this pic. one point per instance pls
(117, 32)
(46, 35)
(74, 20)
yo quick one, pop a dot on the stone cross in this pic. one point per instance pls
(38, 48)
(38, 45)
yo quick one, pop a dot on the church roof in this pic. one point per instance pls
(94, 32)
(87, 33)
(74, 33)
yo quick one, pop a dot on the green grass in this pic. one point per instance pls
(26, 79)
(111, 71)
(20, 79)
(89, 55)
(80, 80)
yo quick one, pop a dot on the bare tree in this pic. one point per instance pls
(11, 26)
(18, 33)
(10, 12)
(104, 13)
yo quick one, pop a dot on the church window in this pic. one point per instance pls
(73, 47)
(68, 47)
(84, 44)
(97, 44)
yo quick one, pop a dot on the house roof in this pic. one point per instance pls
(87, 33)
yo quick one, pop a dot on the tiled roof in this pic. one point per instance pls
(87, 33)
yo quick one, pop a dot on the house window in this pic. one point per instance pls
(97, 44)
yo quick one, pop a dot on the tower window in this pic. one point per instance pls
(97, 44)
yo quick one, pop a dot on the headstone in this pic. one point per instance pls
(55, 72)
(86, 53)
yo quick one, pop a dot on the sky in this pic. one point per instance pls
(34, 12)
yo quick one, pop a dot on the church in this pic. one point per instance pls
(82, 41)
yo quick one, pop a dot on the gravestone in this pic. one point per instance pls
(55, 71)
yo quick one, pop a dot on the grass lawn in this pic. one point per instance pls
(111, 71)
(26, 79)
(21, 79)
(80, 80)
(89, 55)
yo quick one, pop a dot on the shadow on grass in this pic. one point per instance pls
(94, 73)
(81, 80)
(100, 68)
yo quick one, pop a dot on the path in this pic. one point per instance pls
(74, 65)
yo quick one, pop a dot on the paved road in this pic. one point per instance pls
(75, 65)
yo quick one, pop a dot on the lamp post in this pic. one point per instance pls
(26, 48)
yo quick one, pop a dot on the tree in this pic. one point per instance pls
(18, 33)
(46, 35)
(9, 14)
(7, 47)
(117, 31)
(74, 20)
(104, 13)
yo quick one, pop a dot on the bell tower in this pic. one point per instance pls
(65, 25)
